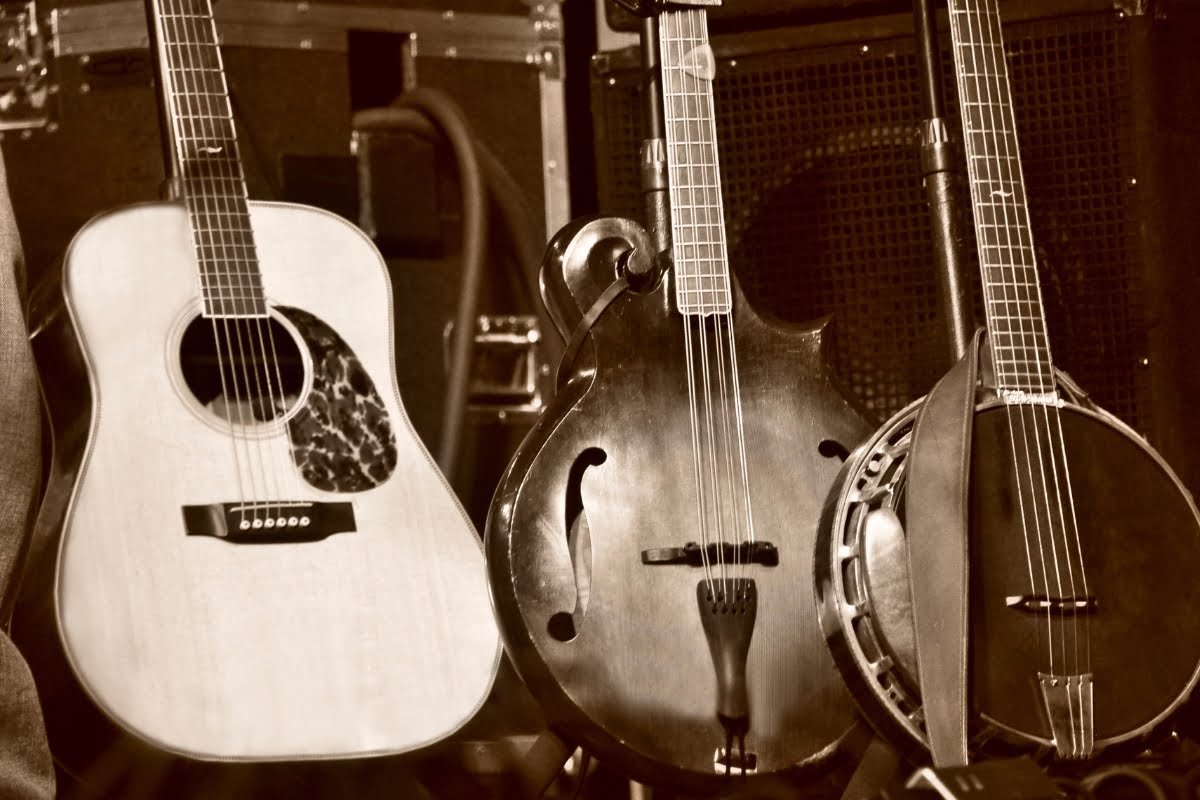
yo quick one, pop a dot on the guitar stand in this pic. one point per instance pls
(1004, 779)
(542, 763)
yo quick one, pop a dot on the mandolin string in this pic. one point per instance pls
(697, 279)
(170, 41)
(737, 407)
(725, 317)
(1004, 372)
(1051, 418)
(672, 46)
(710, 304)
(719, 289)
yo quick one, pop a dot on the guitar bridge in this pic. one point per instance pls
(268, 522)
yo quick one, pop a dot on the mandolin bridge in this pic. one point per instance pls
(693, 555)
(269, 522)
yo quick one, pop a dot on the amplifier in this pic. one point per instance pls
(826, 213)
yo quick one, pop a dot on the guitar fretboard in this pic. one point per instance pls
(697, 215)
(1012, 296)
(207, 163)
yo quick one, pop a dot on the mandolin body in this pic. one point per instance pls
(611, 460)
(369, 640)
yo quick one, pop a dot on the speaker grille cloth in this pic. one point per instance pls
(826, 214)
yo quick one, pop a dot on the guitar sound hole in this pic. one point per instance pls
(245, 371)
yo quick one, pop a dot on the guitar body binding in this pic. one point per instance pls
(369, 632)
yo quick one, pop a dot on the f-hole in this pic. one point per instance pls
(564, 626)
(831, 448)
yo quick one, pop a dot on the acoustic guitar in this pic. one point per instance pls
(650, 545)
(1083, 546)
(259, 559)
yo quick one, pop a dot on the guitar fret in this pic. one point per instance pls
(209, 167)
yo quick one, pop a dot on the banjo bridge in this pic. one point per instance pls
(1060, 606)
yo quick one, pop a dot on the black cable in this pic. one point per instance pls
(450, 120)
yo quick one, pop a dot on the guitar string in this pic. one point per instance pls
(1052, 416)
(215, 195)
(667, 21)
(229, 188)
(176, 98)
(975, 70)
(201, 207)
(272, 372)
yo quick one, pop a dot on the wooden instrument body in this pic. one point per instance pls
(637, 683)
(1140, 539)
(375, 641)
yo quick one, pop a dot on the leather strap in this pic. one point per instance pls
(579, 335)
(938, 503)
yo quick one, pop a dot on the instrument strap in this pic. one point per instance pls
(938, 503)
(580, 334)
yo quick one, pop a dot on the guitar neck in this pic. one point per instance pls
(205, 154)
(697, 216)
(1012, 296)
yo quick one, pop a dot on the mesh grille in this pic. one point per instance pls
(826, 214)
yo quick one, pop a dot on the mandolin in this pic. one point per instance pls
(258, 560)
(1082, 544)
(650, 544)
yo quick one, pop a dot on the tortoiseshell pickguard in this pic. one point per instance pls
(342, 439)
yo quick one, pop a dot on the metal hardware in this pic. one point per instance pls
(506, 366)
(999, 779)
(1019, 397)
(1132, 8)
(25, 88)
(735, 764)
(121, 25)
(1068, 700)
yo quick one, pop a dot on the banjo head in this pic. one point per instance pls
(1132, 534)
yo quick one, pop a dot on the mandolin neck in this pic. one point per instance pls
(204, 152)
(1012, 297)
(697, 215)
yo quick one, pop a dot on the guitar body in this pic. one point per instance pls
(1140, 539)
(376, 637)
(605, 476)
